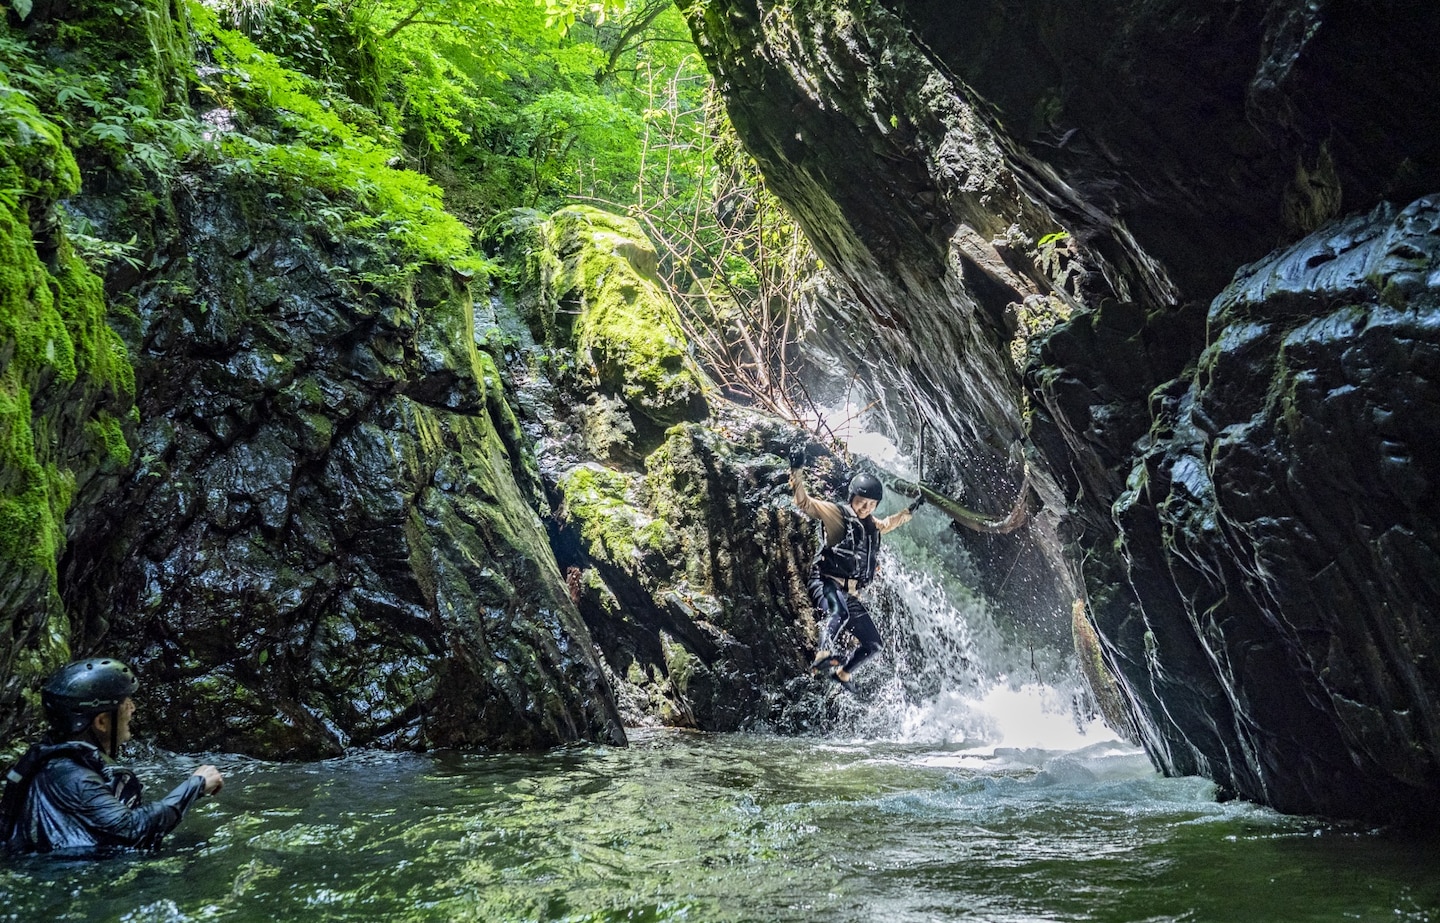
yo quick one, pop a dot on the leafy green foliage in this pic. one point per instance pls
(324, 143)
(116, 116)
(565, 13)
(572, 139)
(503, 103)
(519, 102)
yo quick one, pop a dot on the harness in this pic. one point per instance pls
(855, 556)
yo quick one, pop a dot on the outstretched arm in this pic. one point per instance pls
(113, 822)
(823, 510)
(896, 520)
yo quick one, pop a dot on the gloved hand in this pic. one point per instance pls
(916, 503)
(798, 456)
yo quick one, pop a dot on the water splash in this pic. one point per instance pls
(1041, 717)
(951, 675)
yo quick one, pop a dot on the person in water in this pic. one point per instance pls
(67, 794)
(846, 564)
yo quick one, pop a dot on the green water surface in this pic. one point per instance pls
(682, 826)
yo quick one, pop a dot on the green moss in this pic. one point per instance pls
(603, 265)
(50, 653)
(29, 317)
(108, 433)
(30, 534)
(675, 475)
(62, 361)
(670, 468)
(30, 529)
(654, 536)
(680, 664)
(612, 526)
(99, 350)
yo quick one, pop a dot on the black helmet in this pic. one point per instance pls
(86, 688)
(867, 485)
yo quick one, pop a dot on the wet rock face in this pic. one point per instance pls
(330, 537)
(1281, 532)
(1246, 483)
(670, 513)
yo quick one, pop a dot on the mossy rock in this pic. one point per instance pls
(616, 530)
(627, 325)
(66, 384)
(596, 276)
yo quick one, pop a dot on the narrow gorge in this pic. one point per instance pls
(336, 469)
(1232, 435)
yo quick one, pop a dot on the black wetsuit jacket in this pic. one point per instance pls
(75, 801)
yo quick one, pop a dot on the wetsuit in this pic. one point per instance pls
(76, 801)
(848, 558)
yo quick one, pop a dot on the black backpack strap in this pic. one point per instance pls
(17, 780)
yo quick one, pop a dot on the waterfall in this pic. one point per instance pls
(951, 673)
(953, 670)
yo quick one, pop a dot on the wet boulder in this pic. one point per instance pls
(1288, 493)
(670, 511)
(330, 537)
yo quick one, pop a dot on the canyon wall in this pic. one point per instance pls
(1229, 435)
